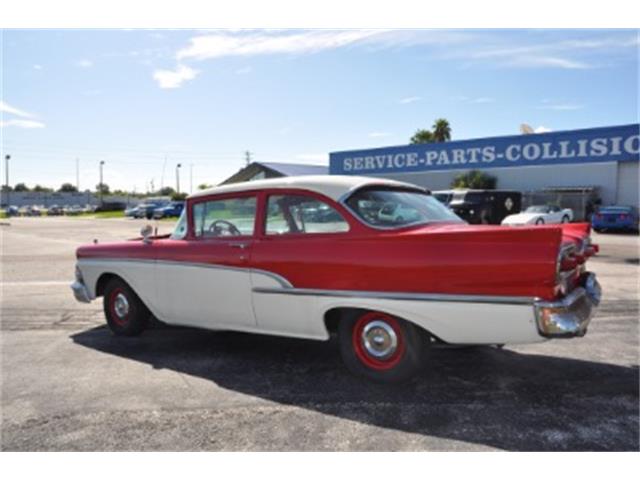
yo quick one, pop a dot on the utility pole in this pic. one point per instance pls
(178, 177)
(247, 157)
(191, 178)
(101, 184)
(6, 173)
(78, 174)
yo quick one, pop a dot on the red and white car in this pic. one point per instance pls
(312, 256)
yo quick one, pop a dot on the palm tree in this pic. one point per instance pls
(422, 136)
(441, 130)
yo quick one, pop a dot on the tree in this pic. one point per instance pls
(20, 187)
(441, 130)
(166, 191)
(177, 197)
(102, 188)
(422, 136)
(475, 179)
(40, 188)
(7, 188)
(204, 186)
(67, 187)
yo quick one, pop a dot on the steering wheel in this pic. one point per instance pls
(219, 227)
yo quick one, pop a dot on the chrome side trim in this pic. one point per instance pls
(278, 278)
(423, 297)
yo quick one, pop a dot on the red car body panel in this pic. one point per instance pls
(449, 258)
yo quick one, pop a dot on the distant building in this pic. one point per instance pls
(262, 170)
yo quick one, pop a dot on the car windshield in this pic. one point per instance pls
(537, 209)
(395, 208)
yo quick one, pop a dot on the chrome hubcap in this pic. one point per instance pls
(379, 339)
(121, 305)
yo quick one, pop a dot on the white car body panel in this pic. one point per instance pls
(225, 298)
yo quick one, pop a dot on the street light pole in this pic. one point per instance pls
(178, 177)
(101, 184)
(6, 172)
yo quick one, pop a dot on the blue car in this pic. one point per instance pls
(615, 217)
(173, 209)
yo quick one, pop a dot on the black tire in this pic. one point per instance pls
(149, 216)
(137, 314)
(540, 221)
(565, 219)
(406, 360)
(598, 230)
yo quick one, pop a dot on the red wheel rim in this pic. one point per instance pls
(117, 315)
(360, 349)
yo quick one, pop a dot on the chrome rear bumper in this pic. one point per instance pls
(569, 316)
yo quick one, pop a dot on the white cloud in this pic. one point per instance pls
(174, 78)
(84, 63)
(21, 123)
(379, 134)
(542, 129)
(6, 108)
(407, 100)
(224, 44)
(37, 67)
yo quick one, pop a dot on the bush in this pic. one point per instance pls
(475, 179)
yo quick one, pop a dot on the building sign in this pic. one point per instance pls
(608, 144)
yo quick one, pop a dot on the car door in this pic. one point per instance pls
(203, 278)
(299, 233)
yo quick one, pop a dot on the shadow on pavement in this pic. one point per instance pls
(487, 396)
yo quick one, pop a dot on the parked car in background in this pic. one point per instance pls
(12, 211)
(257, 257)
(616, 218)
(397, 213)
(54, 210)
(131, 211)
(173, 209)
(73, 210)
(540, 215)
(485, 206)
(145, 210)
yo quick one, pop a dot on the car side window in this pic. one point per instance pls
(230, 217)
(288, 214)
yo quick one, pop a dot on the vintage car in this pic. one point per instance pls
(257, 257)
(540, 215)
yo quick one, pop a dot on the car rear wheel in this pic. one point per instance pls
(126, 314)
(565, 219)
(381, 347)
(540, 221)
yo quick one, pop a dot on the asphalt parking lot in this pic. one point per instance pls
(68, 384)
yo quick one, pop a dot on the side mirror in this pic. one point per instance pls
(146, 232)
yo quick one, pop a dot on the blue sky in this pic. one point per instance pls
(132, 98)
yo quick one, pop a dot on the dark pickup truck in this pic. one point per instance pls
(485, 206)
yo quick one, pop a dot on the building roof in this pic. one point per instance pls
(333, 186)
(275, 169)
(296, 169)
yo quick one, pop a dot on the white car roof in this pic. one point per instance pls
(335, 187)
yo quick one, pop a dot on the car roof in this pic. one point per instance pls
(335, 187)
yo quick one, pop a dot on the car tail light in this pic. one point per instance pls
(568, 263)
(598, 216)
(623, 216)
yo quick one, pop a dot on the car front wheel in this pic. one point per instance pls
(540, 221)
(381, 347)
(126, 314)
